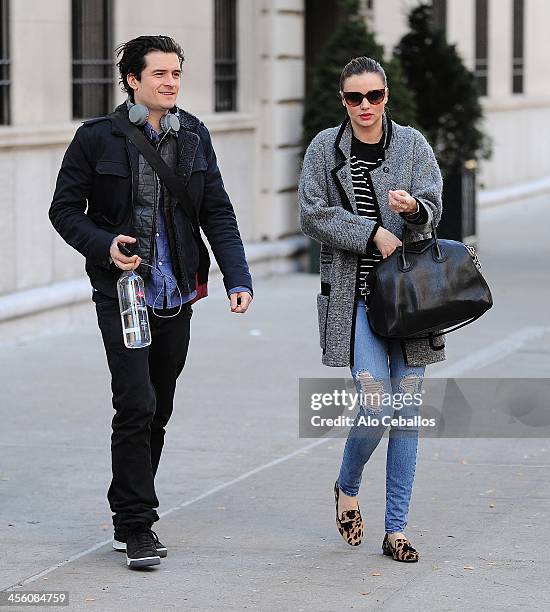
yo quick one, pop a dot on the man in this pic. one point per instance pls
(128, 205)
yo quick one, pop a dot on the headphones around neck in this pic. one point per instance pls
(139, 113)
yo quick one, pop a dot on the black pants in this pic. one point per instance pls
(143, 382)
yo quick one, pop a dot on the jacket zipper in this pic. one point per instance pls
(368, 180)
(379, 217)
(354, 315)
(153, 243)
(131, 175)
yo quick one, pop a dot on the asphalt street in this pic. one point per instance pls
(246, 505)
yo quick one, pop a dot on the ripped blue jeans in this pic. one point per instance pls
(382, 376)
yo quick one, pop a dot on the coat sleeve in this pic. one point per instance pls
(427, 184)
(329, 223)
(217, 219)
(67, 210)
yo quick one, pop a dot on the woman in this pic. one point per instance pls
(362, 184)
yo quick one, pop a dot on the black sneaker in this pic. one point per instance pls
(140, 548)
(119, 542)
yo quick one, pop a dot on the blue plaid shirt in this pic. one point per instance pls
(162, 290)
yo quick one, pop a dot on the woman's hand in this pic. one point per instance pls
(386, 242)
(402, 202)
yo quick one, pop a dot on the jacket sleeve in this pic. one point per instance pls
(328, 223)
(67, 210)
(418, 218)
(427, 184)
(219, 223)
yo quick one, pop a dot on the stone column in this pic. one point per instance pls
(280, 91)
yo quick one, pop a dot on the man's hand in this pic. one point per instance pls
(246, 298)
(386, 242)
(120, 260)
(401, 202)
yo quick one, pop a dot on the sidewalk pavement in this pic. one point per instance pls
(247, 506)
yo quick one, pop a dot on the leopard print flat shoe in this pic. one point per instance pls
(401, 551)
(350, 523)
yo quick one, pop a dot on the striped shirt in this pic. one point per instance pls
(364, 158)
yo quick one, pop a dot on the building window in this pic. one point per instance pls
(4, 63)
(517, 46)
(93, 65)
(225, 55)
(439, 15)
(481, 50)
(366, 10)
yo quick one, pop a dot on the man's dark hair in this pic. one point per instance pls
(133, 56)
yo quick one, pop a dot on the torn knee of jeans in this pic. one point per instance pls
(410, 383)
(372, 390)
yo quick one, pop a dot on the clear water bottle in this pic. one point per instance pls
(133, 310)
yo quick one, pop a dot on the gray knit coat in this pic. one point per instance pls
(328, 214)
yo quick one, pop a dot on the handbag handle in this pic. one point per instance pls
(405, 265)
(431, 336)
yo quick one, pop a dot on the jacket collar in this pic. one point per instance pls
(341, 173)
(188, 139)
(187, 120)
(345, 133)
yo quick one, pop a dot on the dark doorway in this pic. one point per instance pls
(321, 19)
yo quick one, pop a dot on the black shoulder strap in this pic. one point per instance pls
(173, 183)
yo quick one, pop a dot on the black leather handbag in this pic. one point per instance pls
(426, 289)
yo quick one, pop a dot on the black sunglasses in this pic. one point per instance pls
(354, 98)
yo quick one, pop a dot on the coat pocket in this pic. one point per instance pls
(112, 167)
(322, 313)
(197, 180)
(112, 190)
(420, 352)
(199, 164)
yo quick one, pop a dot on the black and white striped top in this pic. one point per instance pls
(364, 158)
